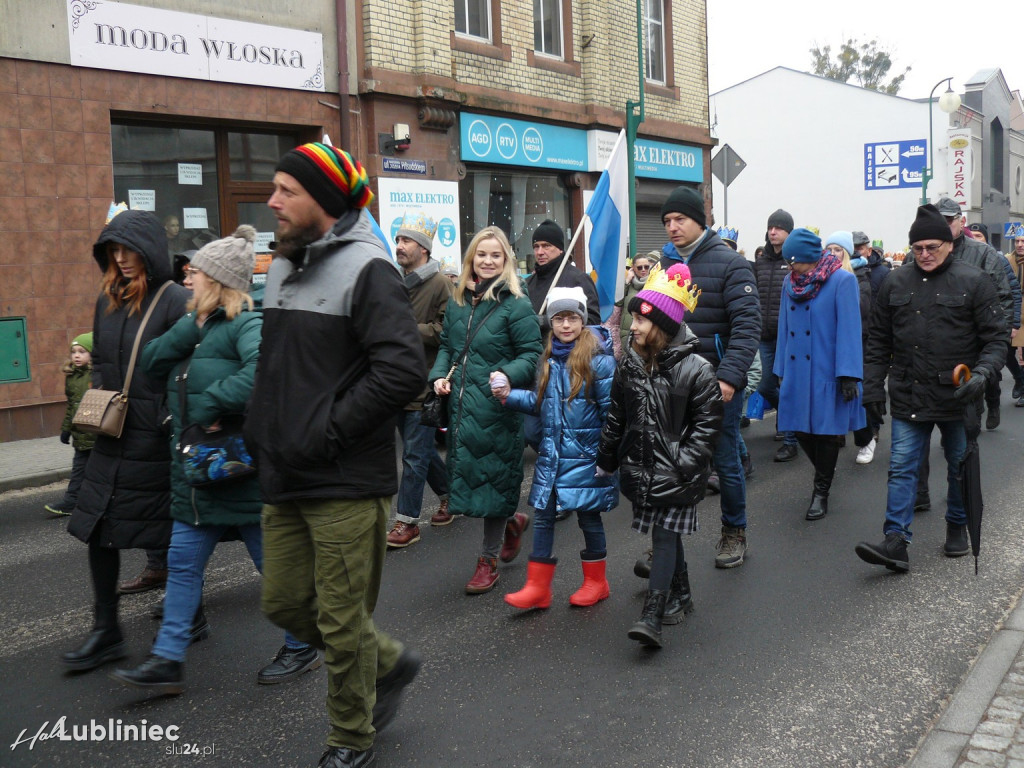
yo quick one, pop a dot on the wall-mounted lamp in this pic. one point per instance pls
(396, 141)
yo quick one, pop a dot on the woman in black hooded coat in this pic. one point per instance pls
(124, 502)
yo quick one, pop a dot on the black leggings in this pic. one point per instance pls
(667, 558)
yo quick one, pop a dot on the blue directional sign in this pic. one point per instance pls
(894, 164)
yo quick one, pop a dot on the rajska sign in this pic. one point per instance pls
(118, 36)
(959, 159)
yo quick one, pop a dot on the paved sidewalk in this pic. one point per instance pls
(983, 725)
(31, 463)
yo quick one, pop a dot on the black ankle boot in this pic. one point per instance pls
(680, 601)
(647, 630)
(818, 507)
(102, 645)
(156, 674)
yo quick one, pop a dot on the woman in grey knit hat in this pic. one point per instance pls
(217, 345)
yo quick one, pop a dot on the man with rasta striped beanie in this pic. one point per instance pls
(340, 356)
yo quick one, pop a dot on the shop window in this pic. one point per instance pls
(473, 18)
(516, 203)
(547, 27)
(654, 25)
(200, 182)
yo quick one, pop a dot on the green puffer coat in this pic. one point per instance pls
(219, 382)
(76, 382)
(485, 440)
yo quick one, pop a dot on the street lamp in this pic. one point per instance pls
(949, 103)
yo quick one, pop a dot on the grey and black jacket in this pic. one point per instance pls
(341, 355)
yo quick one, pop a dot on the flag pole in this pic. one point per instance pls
(579, 229)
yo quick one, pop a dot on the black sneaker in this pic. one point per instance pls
(992, 419)
(288, 664)
(786, 453)
(346, 757)
(922, 503)
(744, 422)
(892, 553)
(956, 544)
(56, 508)
(389, 688)
(1018, 390)
(748, 466)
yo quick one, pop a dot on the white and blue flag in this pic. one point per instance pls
(608, 242)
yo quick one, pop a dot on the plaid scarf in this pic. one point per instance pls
(806, 286)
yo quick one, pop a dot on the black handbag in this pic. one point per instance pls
(211, 457)
(434, 412)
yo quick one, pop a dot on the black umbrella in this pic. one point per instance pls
(969, 471)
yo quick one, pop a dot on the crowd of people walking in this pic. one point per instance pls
(346, 350)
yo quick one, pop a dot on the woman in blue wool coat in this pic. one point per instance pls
(818, 357)
(572, 397)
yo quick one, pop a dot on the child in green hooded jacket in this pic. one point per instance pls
(77, 371)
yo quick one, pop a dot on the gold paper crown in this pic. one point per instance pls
(676, 287)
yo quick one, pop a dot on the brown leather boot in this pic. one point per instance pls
(145, 581)
(485, 577)
(514, 529)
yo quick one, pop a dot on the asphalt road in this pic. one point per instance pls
(805, 656)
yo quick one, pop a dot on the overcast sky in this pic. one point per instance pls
(937, 39)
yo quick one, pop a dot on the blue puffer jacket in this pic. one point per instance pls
(570, 435)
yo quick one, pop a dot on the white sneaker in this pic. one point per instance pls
(867, 453)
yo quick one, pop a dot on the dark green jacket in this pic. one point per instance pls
(76, 382)
(485, 440)
(219, 383)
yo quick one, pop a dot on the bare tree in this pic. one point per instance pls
(863, 62)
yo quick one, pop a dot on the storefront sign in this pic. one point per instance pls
(195, 218)
(109, 35)
(487, 139)
(142, 199)
(894, 164)
(190, 173)
(651, 159)
(401, 165)
(959, 162)
(438, 200)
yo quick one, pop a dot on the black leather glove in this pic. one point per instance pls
(875, 411)
(848, 384)
(973, 390)
(65, 437)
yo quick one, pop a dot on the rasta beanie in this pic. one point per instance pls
(781, 219)
(83, 340)
(687, 201)
(930, 224)
(567, 300)
(665, 296)
(229, 260)
(550, 232)
(330, 175)
(802, 247)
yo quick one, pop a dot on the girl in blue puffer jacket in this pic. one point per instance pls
(572, 397)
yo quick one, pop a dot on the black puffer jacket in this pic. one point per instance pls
(880, 270)
(770, 270)
(864, 286)
(923, 325)
(125, 497)
(661, 427)
(728, 316)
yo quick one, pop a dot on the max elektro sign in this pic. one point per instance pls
(108, 35)
(504, 141)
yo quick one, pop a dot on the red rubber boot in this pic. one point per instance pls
(537, 592)
(595, 585)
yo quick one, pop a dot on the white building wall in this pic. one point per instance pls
(802, 138)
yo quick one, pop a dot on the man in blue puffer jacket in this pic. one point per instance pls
(728, 323)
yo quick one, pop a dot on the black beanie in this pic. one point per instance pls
(781, 219)
(930, 225)
(687, 201)
(550, 232)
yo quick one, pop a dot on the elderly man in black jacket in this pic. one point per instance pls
(728, 323)
(931, 316)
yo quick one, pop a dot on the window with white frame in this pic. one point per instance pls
(654, 26)
(473, 18)
(547, 27)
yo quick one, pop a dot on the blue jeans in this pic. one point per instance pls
(769, 386)
(544, 530)
(190, 550)
(910, 439)
(731, 481)
(420, 464)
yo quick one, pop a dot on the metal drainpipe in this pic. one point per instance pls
(343, 95)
